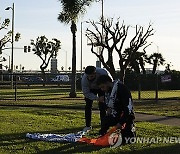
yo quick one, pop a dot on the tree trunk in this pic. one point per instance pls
(43, 75)
(73, 76)
(113, 74)
(154, 67)
(122, 75)
(110, 67)
(142, 66)
(122, 71)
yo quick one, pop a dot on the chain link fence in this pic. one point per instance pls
(33, 86)
(154, 86)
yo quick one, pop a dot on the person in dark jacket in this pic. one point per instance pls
(119, 110)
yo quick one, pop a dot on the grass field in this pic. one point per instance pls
(54, 93)
(15, 122)
(162, 107)
(58, 98)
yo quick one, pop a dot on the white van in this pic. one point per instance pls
(64, 78)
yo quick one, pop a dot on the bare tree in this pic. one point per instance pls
(113, 39)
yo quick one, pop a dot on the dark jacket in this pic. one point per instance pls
(121, 104)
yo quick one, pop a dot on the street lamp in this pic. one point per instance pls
(102, 12)
(66, 59)
(157, 52)
(98, 63)
(12, 8)
(82, 43)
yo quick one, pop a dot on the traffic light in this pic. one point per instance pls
(29, 48)
(25, 49)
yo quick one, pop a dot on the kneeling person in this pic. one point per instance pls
(119, 107)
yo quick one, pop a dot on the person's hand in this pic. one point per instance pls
(108, 112)
(119, 126)
(101, 99)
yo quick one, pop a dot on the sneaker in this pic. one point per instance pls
(87, 129)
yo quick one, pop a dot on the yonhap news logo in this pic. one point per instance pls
(115, 139)
(153, 140)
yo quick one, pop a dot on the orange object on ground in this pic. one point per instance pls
(100, 141)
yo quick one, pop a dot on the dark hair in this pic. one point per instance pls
(103, 79)
(90, 70)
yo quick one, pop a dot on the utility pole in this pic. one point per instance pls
(12, 42)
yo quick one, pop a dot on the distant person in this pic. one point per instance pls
(92, 92)
(119, 107)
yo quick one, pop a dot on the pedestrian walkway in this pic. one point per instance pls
(172, 121)
(140, 117)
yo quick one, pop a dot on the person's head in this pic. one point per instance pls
(90, 72)
(104, 82)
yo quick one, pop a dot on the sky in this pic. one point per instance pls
(39, 17)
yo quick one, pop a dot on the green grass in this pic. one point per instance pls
(54, 93)
(162, 107)
(15, 122)
(162, 94)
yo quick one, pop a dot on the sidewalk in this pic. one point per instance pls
(140, 117)
(172, 121)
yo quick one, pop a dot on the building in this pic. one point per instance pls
(53, 65)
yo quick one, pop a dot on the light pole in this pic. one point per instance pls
(82, 44)
(12, 42)
(98, 63)
(158, 53)
(102, 14)
(66, 59)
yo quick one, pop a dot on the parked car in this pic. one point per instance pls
(64, 78)
(32, 79)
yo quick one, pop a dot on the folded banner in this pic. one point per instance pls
(111, 138)
(72, 137)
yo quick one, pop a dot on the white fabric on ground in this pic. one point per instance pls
(72, 137)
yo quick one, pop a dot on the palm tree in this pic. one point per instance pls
(156, 59)
(137, 61)
(71, 10)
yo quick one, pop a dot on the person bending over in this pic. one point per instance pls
(92, 92)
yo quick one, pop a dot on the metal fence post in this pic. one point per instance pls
(156, 97)
(15, 88)
(139, 87)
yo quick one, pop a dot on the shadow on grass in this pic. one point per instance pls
(20, 139)
(65, 106)
(74, 148)
(73, 107)
(173, 149)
